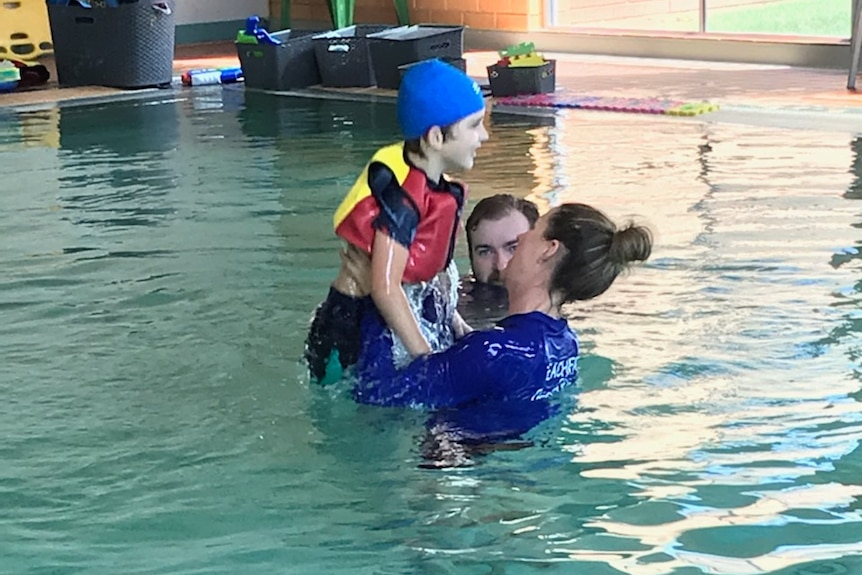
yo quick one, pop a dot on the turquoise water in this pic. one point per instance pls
(159, 260)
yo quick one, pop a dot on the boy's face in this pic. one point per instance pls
(458, 150)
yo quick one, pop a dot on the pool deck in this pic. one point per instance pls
(738, 86)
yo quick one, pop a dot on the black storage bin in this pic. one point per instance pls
(343, 57)
(129, 45)
(460, 63)
(517, 80)
(393, 48)
(279, 67)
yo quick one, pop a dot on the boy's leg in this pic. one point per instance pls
(333, 340)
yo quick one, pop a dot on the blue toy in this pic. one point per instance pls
(255, 34)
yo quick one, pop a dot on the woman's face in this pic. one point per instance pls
(526, 260)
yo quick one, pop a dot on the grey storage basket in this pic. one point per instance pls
(130, 45)
(344, 58)
(286, 66)
(406, 44)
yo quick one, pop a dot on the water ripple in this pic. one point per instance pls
(157, 283)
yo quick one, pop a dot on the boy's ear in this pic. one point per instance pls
(434, 137)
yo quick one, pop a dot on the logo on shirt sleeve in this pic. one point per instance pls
(558, 375)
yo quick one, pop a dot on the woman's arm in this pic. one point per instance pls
(388, 261)
(449, 378)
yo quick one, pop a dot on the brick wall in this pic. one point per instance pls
(518, 15)
(512, 15)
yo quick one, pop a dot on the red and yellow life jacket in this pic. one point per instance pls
(439, 213)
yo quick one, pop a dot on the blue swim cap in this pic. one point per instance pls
(434, 93)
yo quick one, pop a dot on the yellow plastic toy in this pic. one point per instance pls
(24, 29)
(521, 55)
(529, 60)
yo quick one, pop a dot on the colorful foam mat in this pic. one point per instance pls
(610, 104)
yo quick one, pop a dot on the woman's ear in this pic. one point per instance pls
(552, 249)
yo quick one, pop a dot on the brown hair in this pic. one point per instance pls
(497, 207)
(597, 251)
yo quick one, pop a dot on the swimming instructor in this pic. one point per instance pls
(574, 253)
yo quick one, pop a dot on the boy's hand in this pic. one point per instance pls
(460, 326)
(354, 276)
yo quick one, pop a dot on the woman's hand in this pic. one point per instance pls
(354, 276)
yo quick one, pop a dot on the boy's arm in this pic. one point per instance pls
(388, 261)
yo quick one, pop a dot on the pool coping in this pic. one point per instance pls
(789, 116)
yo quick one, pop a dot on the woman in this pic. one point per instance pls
(506, 376)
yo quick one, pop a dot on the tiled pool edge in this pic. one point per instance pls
(824, 118)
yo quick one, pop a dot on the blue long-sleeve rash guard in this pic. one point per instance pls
(525, 358)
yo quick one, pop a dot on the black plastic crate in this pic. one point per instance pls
(403, 45)
(518, 80)
(280, 67)
(344, 58)
(460, 63)
(130, 45)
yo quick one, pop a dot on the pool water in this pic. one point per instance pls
(159, 261)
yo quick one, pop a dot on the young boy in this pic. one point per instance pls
(405, 214)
